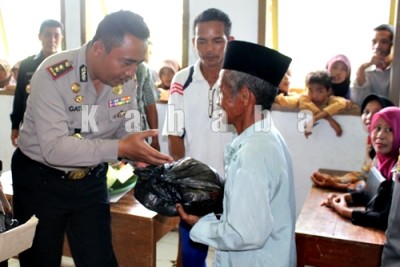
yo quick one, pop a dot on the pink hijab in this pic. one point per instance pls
(386, 161)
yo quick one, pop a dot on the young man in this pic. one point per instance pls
(51, 36)
(258, 219)
(192, 111)
(374, 75)
(80, 113)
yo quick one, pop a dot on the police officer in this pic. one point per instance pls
(81, 112)
(51, 36)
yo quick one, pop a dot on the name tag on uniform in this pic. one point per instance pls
(119, 101)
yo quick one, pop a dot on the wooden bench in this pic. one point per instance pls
(325, 239)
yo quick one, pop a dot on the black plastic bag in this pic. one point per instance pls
(188, 181)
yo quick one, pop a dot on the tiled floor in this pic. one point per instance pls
(167, 249)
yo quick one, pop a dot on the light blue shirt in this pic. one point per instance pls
(257, 226)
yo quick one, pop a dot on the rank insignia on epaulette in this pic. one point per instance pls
(59, 69)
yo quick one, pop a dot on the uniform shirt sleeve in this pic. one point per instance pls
(51, 120)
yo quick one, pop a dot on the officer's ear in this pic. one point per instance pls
(98, 48)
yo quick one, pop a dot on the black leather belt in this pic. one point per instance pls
(77, 174)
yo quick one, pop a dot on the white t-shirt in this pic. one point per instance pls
(187, 115)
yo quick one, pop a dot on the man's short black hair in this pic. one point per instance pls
(319, 77)
(50, 23)
(213, 14)
(385, 27)
(112, 29)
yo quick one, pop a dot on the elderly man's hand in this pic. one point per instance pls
(188, 218)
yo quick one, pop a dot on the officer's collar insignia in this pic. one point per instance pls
(75, 88)
(59, 69)
(79, 98)
(83, 73)
(117, 90)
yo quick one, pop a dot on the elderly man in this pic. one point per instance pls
(256, 227)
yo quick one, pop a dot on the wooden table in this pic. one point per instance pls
(324, 239)
(135, 232)
(135, 229)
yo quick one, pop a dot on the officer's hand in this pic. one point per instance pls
(134, 147)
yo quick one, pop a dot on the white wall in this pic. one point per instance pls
(72, 26)
(323, 149)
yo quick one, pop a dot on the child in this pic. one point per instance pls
(284, 85)
(166, 73)
(318, 99)
(385, 137)
(355, 180)
(340, 70)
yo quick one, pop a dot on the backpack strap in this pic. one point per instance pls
(189, 79)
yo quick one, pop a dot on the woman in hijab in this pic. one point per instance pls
(355, 180)
(340, 70)
(385, 137)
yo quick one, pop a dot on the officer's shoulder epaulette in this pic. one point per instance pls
(59, 69)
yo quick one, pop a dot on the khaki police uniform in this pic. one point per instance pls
(69, 132)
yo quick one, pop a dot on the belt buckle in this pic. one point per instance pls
(77, 174)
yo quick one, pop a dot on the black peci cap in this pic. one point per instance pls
(256, 60)
(384, 101)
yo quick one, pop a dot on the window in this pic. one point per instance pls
(312, 31)
(164, 19)
(19, 26)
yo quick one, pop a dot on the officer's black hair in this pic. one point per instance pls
(213, 14)
(50, 23)
(112, 29)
